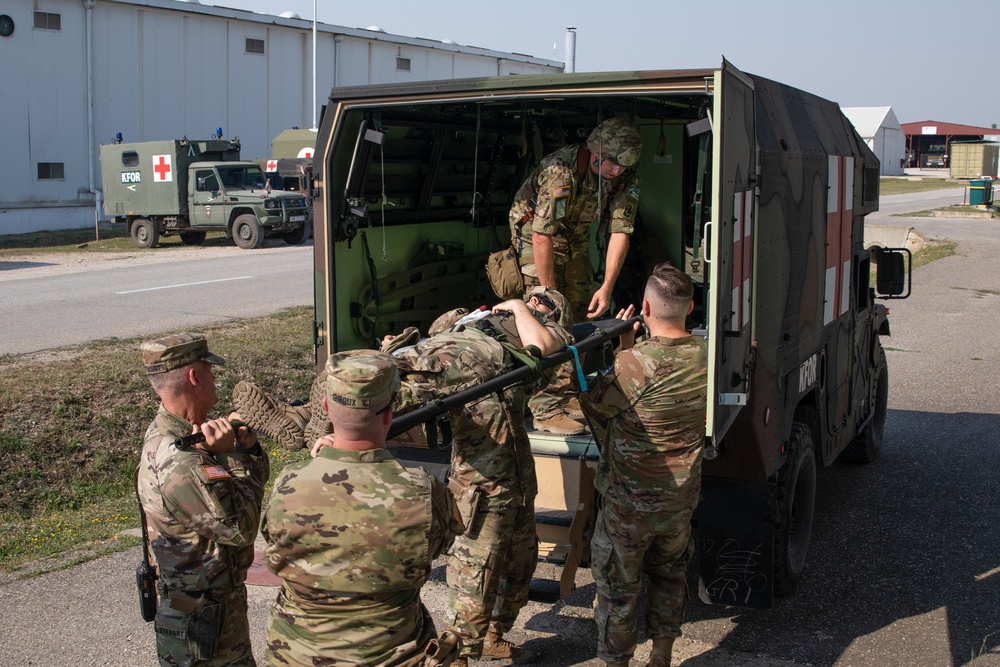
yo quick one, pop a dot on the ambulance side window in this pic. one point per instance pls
(207, 181)
(130, 159)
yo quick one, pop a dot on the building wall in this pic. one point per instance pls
(889, 144)
(164, 69)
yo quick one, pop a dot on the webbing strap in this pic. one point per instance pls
(579, 368)
(532, 362)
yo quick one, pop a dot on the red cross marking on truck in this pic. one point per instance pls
(161, 168)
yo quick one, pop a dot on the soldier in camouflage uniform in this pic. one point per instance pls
(648, 414)
(353, 533)
(492, 472)
(202, 509)
(550, 229)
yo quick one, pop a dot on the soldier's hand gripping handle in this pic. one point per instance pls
(186, 441)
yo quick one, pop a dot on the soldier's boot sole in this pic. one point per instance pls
(319, 424)
(265, 414)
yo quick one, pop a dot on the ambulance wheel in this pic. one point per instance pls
(866, 444)
(192, 238)
(144, 233)
(298, 236)
(247, 232)
(796, 498)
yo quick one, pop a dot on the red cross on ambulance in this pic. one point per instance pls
(272, 165)
(162, 169)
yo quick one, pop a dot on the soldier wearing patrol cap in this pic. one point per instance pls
(353, 534)
(201, 506)
(550, 221)
(492, 474)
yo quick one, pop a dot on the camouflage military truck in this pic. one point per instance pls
(757, 189)
(162, 188)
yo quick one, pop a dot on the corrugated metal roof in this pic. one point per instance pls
(936, 127)
(868, 120)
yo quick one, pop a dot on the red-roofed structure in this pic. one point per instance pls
(928, 142)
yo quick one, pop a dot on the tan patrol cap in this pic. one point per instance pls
(361, 379)
(170, 352)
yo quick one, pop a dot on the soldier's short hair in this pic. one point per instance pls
(669, 291)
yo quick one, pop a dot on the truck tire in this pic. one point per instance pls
(865, 446)
(247, 232)
(144, 233)
(298, 236)
(192, 238)
(796, 498)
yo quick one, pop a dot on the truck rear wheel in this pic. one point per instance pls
(247, 232)
(192, 238)
(298, 236)
(796, 506)
(866, 444)
(144, 233)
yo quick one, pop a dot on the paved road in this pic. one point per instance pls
(891, 205)
(114, 296)
(904, 566)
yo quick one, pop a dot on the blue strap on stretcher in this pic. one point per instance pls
(579, 368)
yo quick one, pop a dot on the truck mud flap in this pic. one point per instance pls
(735, 542)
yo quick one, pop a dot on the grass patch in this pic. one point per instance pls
(898, 186)
(112, 238)
(933, 253)
(71, 429)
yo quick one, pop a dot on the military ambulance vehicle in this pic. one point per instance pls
(757, 189)
(291, 175)
(162, 188)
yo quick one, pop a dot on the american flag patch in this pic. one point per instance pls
(560, 192)
(216, 472)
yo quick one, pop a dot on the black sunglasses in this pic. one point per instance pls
(545, 301)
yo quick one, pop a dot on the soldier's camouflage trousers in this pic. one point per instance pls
(489, 572)
(177, 634)
(626, 545)
(576, 282)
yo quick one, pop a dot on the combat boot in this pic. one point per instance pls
(319, 424)
(663, 647)
(572, 408)
(282, 423)
(495, 647)
(560, 424)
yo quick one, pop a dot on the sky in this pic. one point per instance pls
(927, 60)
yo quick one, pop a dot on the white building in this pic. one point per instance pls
(881, 131)
(73, 73)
